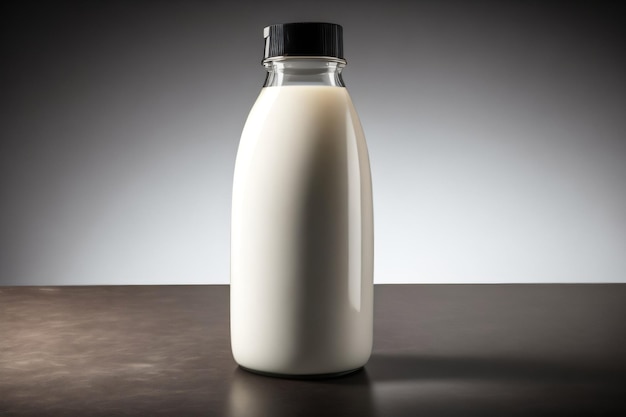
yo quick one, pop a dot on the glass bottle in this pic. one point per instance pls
(302, 217)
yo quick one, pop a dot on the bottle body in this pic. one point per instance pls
(302, 235)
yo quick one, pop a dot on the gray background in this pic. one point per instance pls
(496, 134)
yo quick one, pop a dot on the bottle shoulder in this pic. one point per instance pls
(302, 99)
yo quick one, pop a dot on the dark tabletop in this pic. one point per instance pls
(439, 350)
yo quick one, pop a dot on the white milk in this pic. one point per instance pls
(302, 235)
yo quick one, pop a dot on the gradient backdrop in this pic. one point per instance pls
(497, 135)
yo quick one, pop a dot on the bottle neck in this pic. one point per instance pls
(288, 71)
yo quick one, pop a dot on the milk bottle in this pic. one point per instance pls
(302, 245)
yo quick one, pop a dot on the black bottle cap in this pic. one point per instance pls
(303, 39)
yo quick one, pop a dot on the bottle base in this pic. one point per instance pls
(303, 376)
